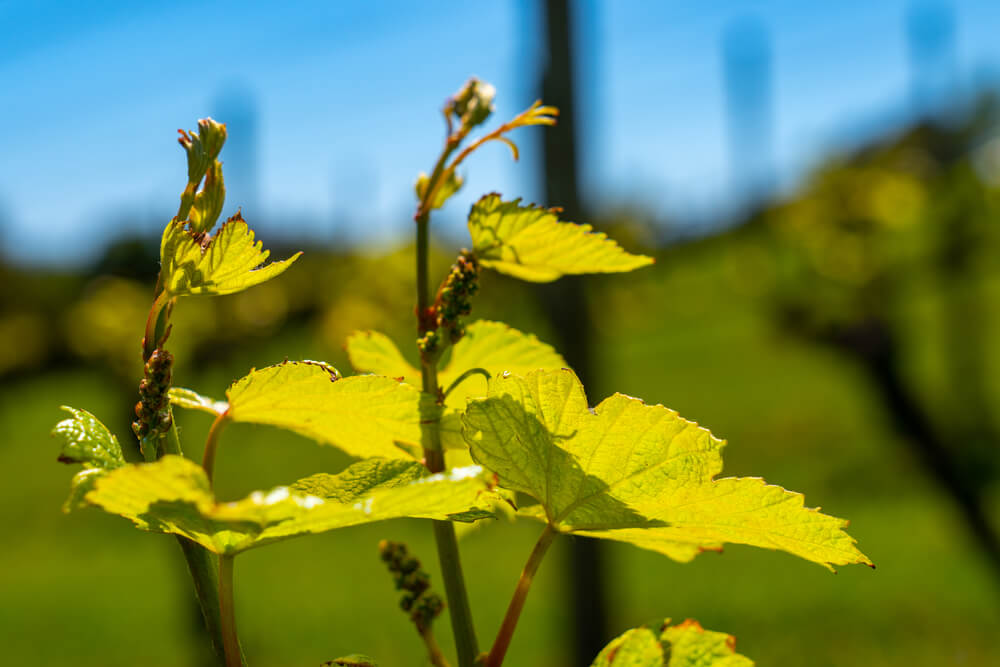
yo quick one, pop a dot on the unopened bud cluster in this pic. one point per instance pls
(473, 103)
(422, 605)
(153, 408)
(202, 147)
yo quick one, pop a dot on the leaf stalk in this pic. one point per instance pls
(212, 444)
(506, 632)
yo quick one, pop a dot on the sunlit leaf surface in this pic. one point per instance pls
(192, 400)
(492, 346)
(530, 243)
(173, 495)
(228, 262)
(87, 441)
(365, 415)
(684, 645)
(636, 473)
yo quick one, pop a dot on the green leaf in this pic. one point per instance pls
(530, 243)
(684, 645)
(86, 440)
(173, 495)
(353, 660)
(365, 415)
(690, 645)
(497, 348)
(636, 473)
(451, 184)
(197, 264)
(638, 647)
(209, 202)
(374, 352)
(493, 346)
(192, 400)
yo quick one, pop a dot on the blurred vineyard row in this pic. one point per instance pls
(887, 255)
(843, 336)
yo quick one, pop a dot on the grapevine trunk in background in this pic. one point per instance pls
(500, 424)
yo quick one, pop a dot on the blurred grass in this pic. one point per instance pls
(692, 333)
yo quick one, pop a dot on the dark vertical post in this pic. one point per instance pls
(746, 61)
(565, 305)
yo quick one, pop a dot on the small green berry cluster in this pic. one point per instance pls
(454, 300)
(454, 297)
(153, 408)
(428, 343)
(422, 605)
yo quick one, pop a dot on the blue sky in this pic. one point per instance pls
(346, 99)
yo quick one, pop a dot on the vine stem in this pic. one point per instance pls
(502, 642)
(433, 650)
(230, 640)
(444, 532)
(203, 568)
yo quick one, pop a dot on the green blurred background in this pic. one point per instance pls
(841, 334)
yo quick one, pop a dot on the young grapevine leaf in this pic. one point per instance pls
(637, 647)
(690, 645)
(364, 415)
(192, 400)
(353, 660)
(86, 440)
(493, 346)
(684, 645)
(173, 495)
(228, 262)
(635, 473)
(530, 243)
(452, 184)
(374, 352)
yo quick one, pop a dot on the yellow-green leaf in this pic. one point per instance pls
(690, 645)
(87, 441)
(192, 400)
(173, 495)
(353, 660)
(208, 203)
(530, 243)
(452, 184)
(636, 473)
(374, 352)
(364, 415)
(493, 346)
(228, 262)
(638, 647)
(684, 645)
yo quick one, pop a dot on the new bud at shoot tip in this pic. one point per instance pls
(202, 147)
(473, 103)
